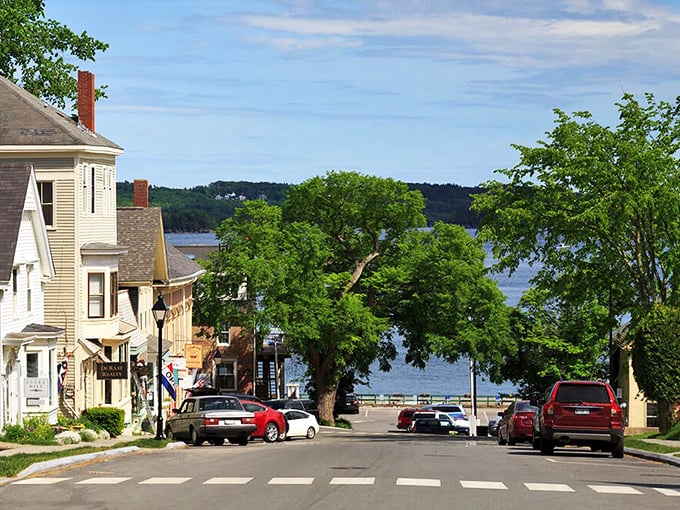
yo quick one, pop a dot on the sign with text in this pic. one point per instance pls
(193, 353)
(36, 387)
(112, 370)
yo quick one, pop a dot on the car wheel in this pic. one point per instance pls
(243, 440)
(271, 432)
(547, 447)
(232, 440)
(311, 433)
(169, 435)
(617, 451)
(501, 440)
(219, 441)
(536, 443)
(196, 440)
(511, 441)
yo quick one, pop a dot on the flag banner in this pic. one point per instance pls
(62, 367)
(168, 380)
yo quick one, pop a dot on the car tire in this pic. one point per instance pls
(536, 443)
(243, 440)
(218, 441)
(233, 440)
(511, 441)
(617, 451)
(547, 447)
(169, 435)
(311, 433)
(271, 432)
(196, 439)
(501, 440)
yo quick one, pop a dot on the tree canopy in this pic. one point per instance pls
(597, 207)
(327, 268)
(35, 52)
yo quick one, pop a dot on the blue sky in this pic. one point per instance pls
(419, 90)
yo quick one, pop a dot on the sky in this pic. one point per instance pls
(422, 91)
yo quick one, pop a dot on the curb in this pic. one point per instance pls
(657, 457)
(75, 459)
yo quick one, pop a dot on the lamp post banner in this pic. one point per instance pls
(168, 379)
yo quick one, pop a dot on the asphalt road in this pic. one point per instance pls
(371, 467)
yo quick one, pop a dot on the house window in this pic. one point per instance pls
(108, 351)
(226, 375)
(85, 188)
(29, 270)
(114, 294)
(32, 364)
(15, 290)
(46, 192)
(224, 338)
(92, 190)
(95, 292)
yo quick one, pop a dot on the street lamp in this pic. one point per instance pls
(159, 310)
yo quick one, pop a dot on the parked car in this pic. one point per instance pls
(427, 422)
(581, 413)
(517, 423)
(271, 424)
(211, 418)
(300, 424)
(493, 424)
(461, 422)
(405, 419)
(303, 404)
(347, 404)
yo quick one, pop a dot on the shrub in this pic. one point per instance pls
(36, 430)
(67, 437)
(107, 418)
(88, 435)
(14, 434)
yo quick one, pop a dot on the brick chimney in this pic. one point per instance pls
(141, 192)
(86, 99)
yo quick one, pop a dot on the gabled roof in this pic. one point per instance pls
(140, 229)
(27, 121)
(13, 186)
(181, 267)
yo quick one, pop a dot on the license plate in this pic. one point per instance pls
(581, 411)
(231, 422)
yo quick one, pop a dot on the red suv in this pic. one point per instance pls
(580, 413)
(405, 420)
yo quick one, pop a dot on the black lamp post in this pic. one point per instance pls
(159, 310)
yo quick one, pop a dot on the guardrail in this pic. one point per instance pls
(397, 399)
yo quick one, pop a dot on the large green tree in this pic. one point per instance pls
(39, 53)
(597, 207)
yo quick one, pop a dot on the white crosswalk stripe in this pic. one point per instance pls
(419, 482)
(164, 480)
(103, 481)
(297, 480)
(548, 487)
(228, 481)
(352, 481)
(614, 489)
(667, 492)
(472, 484)
(40, 481)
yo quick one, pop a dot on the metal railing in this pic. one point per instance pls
(397, 399)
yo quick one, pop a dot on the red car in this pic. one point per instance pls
(517, 423)
(271, 424)
(404, 420)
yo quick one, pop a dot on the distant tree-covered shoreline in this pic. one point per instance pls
(203, 208)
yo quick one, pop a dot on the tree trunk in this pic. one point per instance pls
(664, 415)
(326, 401)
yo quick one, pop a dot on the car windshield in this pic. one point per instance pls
(582, 393)
(525, 407)
(449, 409)
(211, 404)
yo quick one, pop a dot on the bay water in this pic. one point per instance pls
(439, 377)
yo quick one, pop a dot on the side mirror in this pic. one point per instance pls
(175, 411)
(500, 413)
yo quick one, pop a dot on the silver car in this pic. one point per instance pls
(212, 418)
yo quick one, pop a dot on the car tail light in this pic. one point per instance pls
(211, 421)
(549, 410)
(247, 420)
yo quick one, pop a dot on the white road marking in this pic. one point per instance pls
(110, 480)
(548, 487)
(614, 489)
(228, 481)
(291, 481)
(471, 484)
(358, 480)
(164, 480)
(419, 482)
(667, 492)
(40, 481)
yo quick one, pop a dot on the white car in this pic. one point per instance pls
(300, 424)
(461, 422)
